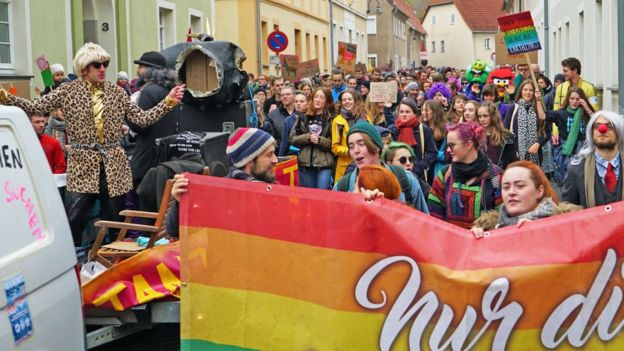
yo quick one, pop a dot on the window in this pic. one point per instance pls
(196, 20)
(166, 24)
(487, 44)
(6, 52)
(452, 18)
(432, 19)
(441, 45)
(371, 25)
(433, 46)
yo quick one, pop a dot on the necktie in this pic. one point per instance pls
(97, 96)
(610, 179)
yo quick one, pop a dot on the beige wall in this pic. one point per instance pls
(459, 50)
(479, 47)
(351, 18)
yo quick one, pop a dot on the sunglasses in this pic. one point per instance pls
(403, 159)
(98, 65)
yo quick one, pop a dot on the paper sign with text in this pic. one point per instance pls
(383, 91)
(519, 32)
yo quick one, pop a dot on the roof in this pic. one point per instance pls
(479, 15)
(411, 15)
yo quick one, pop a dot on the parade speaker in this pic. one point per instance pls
(210, 145)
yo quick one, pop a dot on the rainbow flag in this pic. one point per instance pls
(519, 32)
(269, 267)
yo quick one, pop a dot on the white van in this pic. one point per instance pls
(40, 305)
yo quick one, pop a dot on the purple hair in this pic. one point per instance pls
(456, 82)
(470, 131)
(439, 87)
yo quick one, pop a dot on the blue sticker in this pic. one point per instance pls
(14, 288)
(21, 323)
(17, 308)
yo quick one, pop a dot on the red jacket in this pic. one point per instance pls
(54, 152)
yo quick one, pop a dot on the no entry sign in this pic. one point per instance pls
(277, 41)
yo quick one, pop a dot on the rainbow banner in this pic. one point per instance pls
(150, 275)
(280, 268)
(520, 34)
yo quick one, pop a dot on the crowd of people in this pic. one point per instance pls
(478, 148)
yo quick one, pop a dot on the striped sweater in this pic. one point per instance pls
(462, 204)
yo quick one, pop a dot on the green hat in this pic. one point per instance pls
(397, 145)
(368, 129)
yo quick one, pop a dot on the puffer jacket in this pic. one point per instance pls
(313, 155)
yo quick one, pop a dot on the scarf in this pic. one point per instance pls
(570, 143)
(406, 129)
(463, 172)
(544, 209)
(349, 116)
(527, 131)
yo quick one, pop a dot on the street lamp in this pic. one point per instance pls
(378, 10)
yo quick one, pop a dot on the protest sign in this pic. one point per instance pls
(504, 58)
(321, 270)
(308, 68)
(383, 91)
(519, 33)
(289, 65)
(347, 56)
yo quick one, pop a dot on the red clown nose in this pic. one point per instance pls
(602, 129)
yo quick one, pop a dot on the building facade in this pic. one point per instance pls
(461, 31)
(349, 25)
(248, 23)
(585, 29)
(57, 29)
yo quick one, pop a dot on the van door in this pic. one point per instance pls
(40, 305)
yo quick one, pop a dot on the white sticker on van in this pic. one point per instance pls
(17, 308)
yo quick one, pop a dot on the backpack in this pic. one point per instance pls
(399, 173)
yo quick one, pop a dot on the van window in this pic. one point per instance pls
(21, 217)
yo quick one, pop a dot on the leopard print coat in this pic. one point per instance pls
(83, 164)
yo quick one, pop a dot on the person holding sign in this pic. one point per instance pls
(312, 134)
(526, 120)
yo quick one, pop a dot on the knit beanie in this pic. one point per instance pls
(122, 75)
(410, 86)
(245, 144)
(57, 67)
(368, 129)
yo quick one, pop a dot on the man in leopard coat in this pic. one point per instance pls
(97, 167)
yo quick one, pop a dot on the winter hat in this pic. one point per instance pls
(245, 144)
(365, 83)
(57, 67)
(410, 86)
(122, 75)
(411, 103)
(368, 129)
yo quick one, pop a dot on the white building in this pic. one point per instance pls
(585, 29)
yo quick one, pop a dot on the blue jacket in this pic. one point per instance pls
(284, 147)
(336, 92)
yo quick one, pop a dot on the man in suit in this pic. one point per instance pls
(595, 175)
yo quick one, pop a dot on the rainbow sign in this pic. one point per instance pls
(270, 267)
(520, 34)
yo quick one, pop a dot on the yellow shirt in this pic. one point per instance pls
(588, 89)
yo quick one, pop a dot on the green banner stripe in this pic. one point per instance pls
(203, 345)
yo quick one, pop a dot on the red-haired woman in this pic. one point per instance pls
(527, 195)
(470, 185)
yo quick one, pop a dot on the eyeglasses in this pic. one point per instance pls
(452, 145)
(403, 159)
(608, 125)
(98, 65)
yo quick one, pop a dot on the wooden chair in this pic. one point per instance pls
(121, 249)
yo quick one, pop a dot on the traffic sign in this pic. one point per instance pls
(277, 41)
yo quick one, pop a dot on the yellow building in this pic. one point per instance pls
(247, 23)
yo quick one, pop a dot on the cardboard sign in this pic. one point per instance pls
(289, 65)
(347, 55)
(383, 91)
(519, 32)
(308, 68)
(504, 58)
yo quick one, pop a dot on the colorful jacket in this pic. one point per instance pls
(462, 204)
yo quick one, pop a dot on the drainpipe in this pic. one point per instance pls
(393, 55)
(259, 37)
(546, 40)
(620, 17)
(331, 35)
